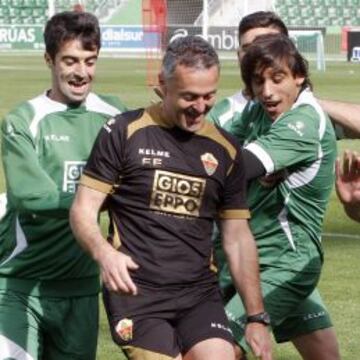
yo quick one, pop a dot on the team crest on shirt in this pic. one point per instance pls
(210, 163)
(124, 329)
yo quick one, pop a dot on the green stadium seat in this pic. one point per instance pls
(305, 12)
(16, 3)
(28, 21)
(323, 22)
(29, 3)
(293, 21)
(16, 20)
(39, 12)
(310, 21)
(317, 3)
(349, 12)
(15, 12)
(334, 12)
(282, 11)
(320, 12)
(40, 20)
(5, 20)
(4, 12)
(293, 12)
(26, 12)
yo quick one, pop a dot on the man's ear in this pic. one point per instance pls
(299, 80)
(48, 60)
(161, 89)
(238, 56)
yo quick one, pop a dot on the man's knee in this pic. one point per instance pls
(318, 345)
(239, 353)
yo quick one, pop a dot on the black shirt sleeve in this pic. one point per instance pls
(254, 167)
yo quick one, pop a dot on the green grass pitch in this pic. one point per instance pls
(23, 76)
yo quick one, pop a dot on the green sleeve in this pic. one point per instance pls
(29, 187)
(114, 101)
(226, 112)
(293, 139)
(239, 127)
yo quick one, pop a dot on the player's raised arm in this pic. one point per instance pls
(344, 114)
(348, 183)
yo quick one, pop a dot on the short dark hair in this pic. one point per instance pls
(273, 50)
(262, 19)
(71, 25)
(190, 51)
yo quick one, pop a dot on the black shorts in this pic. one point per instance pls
(166, 321)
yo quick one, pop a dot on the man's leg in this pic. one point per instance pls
(283, 291)
(71, 327)
(142, 325)
(203, 329)
(211, 349)
(20, 336)
(318, 345)
(310, 329)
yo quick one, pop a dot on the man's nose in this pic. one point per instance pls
(267, 90)
(200, 105)
(80, 69)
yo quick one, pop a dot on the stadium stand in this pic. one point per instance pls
(36, 11)
(23, 11)
(319, 12)
(311, 13)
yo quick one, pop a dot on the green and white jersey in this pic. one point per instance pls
(228, 110)
(298, 151)
(45, 145)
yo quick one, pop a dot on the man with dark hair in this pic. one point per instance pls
(264, 22)
(309, 327)
(255, 24)
(290, 150)
(48, 285)
(251, 26)
(165, 174)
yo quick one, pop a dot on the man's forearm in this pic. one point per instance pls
(87, 234)
(243, 263)
(346, 115)
(84, 221)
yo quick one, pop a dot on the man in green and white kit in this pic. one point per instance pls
(48, 285)
(288, 204)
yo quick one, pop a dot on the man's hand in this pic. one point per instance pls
(348, 178)
(348, 183)
(270, 181)
(258, 337)
(114, 267)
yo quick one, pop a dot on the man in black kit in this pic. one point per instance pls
(166, 174)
